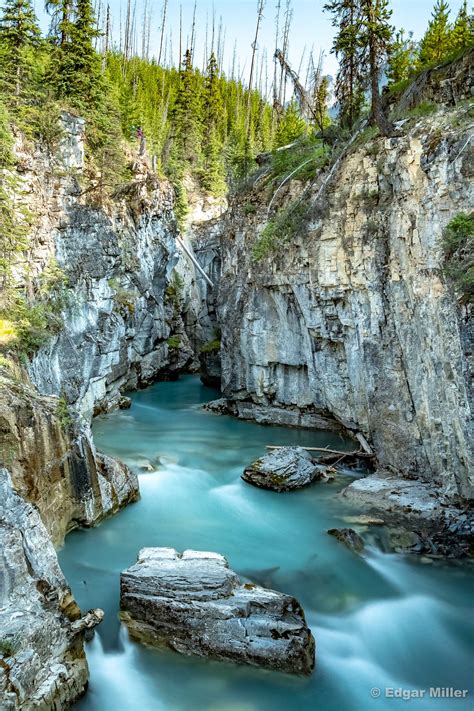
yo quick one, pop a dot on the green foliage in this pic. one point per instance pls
(214, 345)
(19, 35)
(426, 108)
(291, 126)
(6, 139)
(286, 224)
(403, 57)
(124, 299)
(32, 323)
(435, 44)
(307, 157)
(462, 33)
(174, 290)
(350, 81)
(63, 414)
(458, 247)
(174, 343)
(8, 646)
(75, 71)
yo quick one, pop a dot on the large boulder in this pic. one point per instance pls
(284, 469)
(193, 603)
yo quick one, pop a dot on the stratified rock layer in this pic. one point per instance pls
(53, 461)
(42, 661)
(283, 469)
(353, 316)
(193, 603)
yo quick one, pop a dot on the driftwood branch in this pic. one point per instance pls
(325, 450)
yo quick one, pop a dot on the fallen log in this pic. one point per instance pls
(325, 450)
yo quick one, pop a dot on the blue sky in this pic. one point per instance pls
(310, 27)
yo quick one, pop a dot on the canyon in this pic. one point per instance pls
(351, 325)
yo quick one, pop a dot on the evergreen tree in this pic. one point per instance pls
(186, 117)
(291, 126)
(76, 67)
(19, 35)
(61, 12)
(375, 38)
(347, 48)
(435, 44)
(402, 57)
(321, 104)
(462, 34)
(213, 174)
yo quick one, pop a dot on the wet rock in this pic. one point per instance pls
(364, 520)
(42, 660)
(193, 603)
(219, 407)
(125, 403)
(349, 537)
(210, 370)
(283, 469)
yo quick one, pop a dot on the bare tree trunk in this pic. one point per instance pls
(260, 7)
(106, 39)
(163, 24)
(193, 32)
(180, 35)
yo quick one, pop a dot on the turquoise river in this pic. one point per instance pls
(385, 624)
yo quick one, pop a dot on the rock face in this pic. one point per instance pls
(193, 603)
(352, 318)
(283, 470)
(53, 461)
(123, 326)
(42, 661)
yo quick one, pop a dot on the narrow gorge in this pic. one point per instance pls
(320, 306)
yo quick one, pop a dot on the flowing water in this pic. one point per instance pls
(380, 621)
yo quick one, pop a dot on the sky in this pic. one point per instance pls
(311, 27)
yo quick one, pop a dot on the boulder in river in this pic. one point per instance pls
(193, 603)
(349, 537)
(284, 469)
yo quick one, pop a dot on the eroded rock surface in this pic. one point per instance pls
(53, 461)
(353, 317)
(42, 662)
(193, 603)
(283, 469)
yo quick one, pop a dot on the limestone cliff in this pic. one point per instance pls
(122, 327)
(352, 318)
(42, 660)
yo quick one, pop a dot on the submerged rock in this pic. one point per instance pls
(42, 661)
(193, 603)
(284, 469)
(349, 537)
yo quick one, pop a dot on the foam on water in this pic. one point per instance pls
(379, 620)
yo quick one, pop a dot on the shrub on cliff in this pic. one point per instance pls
(459, 254)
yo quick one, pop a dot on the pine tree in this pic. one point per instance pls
(375, 38)
(291, 126)
(61, 12)
(19, 35)
(213, 175)
(76, 67)
(186, 116)
(462, 34)
(346, 46)
(403, 55)
(321, 104)
(435, 44)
